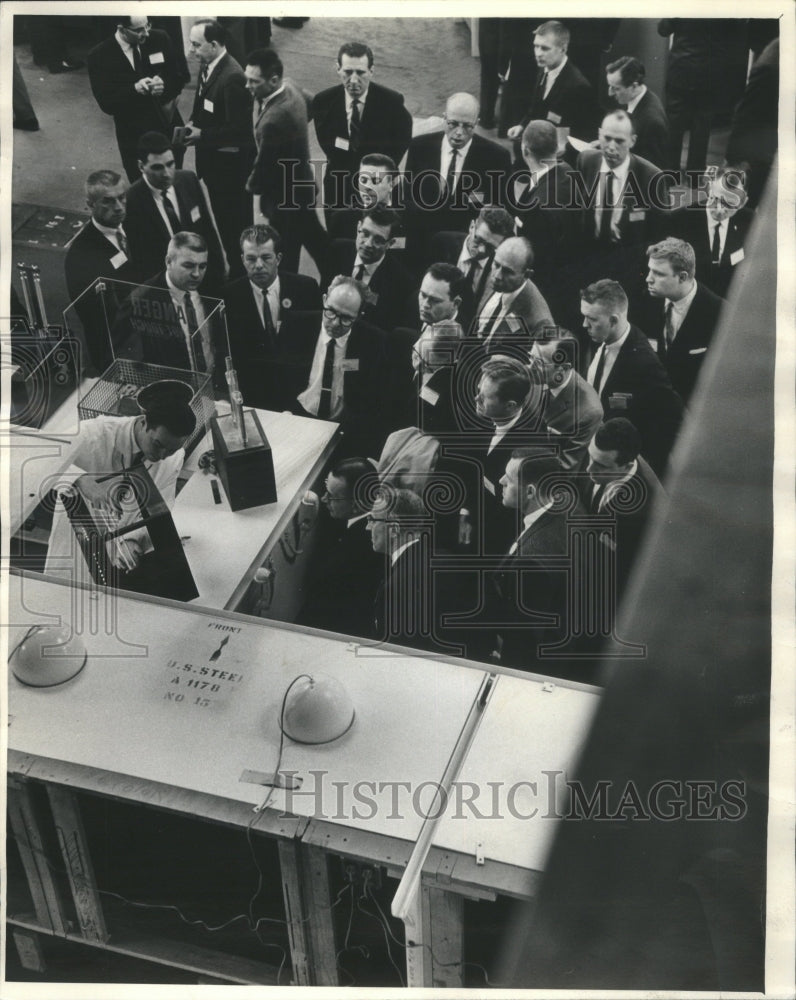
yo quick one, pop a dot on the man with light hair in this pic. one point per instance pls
(682, 314)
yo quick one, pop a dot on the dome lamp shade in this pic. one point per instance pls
(48, 655)
(317, 709)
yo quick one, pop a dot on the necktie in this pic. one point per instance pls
(260, 105)
(596, 497)
(450, 177)
(268, 323)
(138, 62)
(325, 405)
(668, 328)
(359, 273)
(472, 270)
(193, 324)
(121, 239)
(171, 215)
(485, 331)
(607, 207)
(353, 128)
(203, 80)
(543, 84)
(598, 374)
(715, 250)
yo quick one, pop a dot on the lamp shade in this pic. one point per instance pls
(317, 709)
(48, 655)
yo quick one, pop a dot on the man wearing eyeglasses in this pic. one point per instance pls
(450, 176)
(391, 290)
(339, 364)
(717, 230)
(134, 77)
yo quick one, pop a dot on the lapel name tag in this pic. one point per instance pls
(195, 213)
(118, 259)
(208, 106)
(350, 364)
(638, 216)
(737, 257)
(155, 58)
(399, 243)
(620, 400)
(429, 395)
(553, 117)
(341, 143)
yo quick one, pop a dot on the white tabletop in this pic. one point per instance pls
(148, 705)
(529, 727)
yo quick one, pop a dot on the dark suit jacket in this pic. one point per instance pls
(691, 224)
(528, 314)
(652, 130)
(572, 417)
(571, 103)
(653, 406)
(430, 208)
(446, 247)
(252, 354)
(545, 217)
(113, 80)
(148, 328)
(341, 581)
(88, 258)
(366, 393)
(627, 522)
(684, 358)
(386, 127)
(226, 143)
(392, 287)
(282, 174)
(149, 237)
(644, 200)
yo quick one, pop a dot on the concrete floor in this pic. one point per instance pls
(50, 166)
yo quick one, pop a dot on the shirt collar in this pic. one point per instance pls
(178, 292)
(447, 149)
(552, 74)
(617, 344)
(619, 172)
(529, 519)
(556, 389)
(272, 289)
(612, 487)
(325, 338)
(635, 102)
(123, 43)
(355, 518)
(369, 268)
(506, 298)
(211, 66)
(106, 230)
(683, 304)
(279, 90)
(349, 100)
(401, 549)
(502, 428)
(157, 193)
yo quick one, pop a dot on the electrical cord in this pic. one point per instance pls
(384, 928)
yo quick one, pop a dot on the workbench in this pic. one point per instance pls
(177, 709)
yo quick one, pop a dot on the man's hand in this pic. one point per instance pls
(144, 85)
(158, 86)
(96, 494)
(514, 132)
(192, 136)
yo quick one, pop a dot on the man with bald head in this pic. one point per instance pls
(517, 310)
(450, 176)
(339, 364)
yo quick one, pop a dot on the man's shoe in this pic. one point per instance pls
(66, 66)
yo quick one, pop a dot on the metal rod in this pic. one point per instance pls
(39, 297)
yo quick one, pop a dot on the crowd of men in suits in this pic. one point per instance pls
(509, 339)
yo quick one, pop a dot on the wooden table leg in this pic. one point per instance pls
(434, 931)
(305, 886)
(25, 827)
(72, 841)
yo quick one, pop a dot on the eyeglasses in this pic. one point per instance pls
(466, 126)
(343, 320)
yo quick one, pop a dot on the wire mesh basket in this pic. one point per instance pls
(114, 392)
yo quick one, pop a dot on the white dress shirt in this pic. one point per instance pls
(611, 354)
(527, 521)
(552, 76)
(620, 173)
(110, 234)
(632, 105)
(502, 429)
(127, 48)
(680, 310)
(272, 292)
(158, 196)
(445, 160)
(505, 300)
(310, 398)
(197, 342)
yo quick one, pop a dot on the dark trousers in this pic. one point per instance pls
(300, 226)
(688, 112)
(231, 204)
